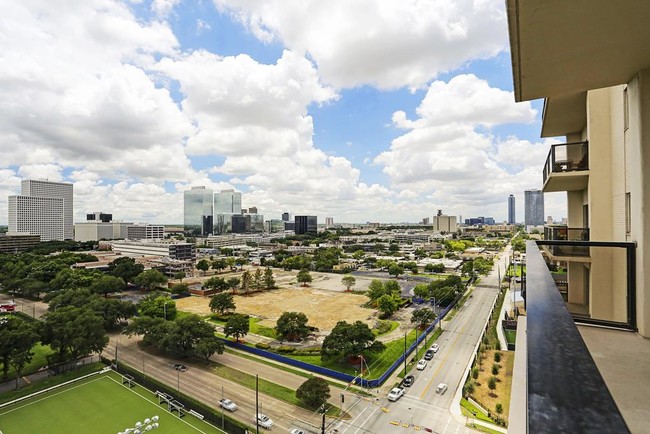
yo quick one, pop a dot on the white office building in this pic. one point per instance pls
(43, 208)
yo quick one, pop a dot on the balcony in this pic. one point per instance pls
(557, 384)
(567, 251)
(566, 167)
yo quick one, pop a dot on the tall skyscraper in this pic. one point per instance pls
(305, 223)
(444, 223)
(534, 207)
(198, 212)
(329, 222)
(43, 208)
(511, 210)
(285, 216)
(226, 204)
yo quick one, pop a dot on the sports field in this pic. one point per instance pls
(98, 404)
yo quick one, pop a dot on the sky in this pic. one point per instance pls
(360, 110)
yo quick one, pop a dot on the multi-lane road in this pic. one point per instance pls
(421, 408)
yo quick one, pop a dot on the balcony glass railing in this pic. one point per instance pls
(568, 157)
(565, 391)
(563, 233)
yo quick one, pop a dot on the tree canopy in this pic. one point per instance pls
(292, 326)
(73, 332)
(150, 279)
(348, 340)
(314, 392)
(157, 306)
(304, 277)
(222, 302)
(348, 281)
(237, 326)
(126, 268)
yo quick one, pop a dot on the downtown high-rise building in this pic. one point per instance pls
(305, 224)
(43, 208)
(511, 210)
(226, 204)
(534, 207)
(198, 211)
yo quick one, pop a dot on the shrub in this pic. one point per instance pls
(495, 369)
(262, 346)
(468, 389)
(286, 350)
(382, 327)
(475, 373)
(497, 357)
(499, 408)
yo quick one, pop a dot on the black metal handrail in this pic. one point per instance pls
(566, 392)
(566, 157)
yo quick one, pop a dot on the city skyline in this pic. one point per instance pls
(137, 102)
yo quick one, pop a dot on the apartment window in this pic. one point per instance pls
(628, 213)
(626, 110)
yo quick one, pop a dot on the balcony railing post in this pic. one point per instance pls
(631, 285)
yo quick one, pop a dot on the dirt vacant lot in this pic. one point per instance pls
(323, 307)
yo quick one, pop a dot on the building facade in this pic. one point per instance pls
(444, 223)
(226, 204)
(198, 215)
(511, 210)
(43, 208)
(18, 243)
(534, 207)
(99, 216)
(145, 232)
(305, 224)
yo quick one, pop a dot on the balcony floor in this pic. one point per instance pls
(623, 361)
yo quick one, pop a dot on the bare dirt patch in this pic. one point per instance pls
(324, 301)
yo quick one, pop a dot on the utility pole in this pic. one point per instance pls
(404, 354)
(257, 404)
(322, 429)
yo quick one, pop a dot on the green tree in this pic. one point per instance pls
(303, 277)
(492, 385)
(358, 254)
(73, 332)
(257, 279)
(180, 276)
(222, 302)
(185, 332)
(495, 369)
(15, 336)
(158, 306)
(392, 287)
(153, 330)
(269, 281)
(216, 283)
(219, 264)
(499, 408)
(423, 317)
(292, 326)
(180, 288)
(388, 304)
(237, 326)
(314, 392)
(150, 279)
(126, 268)
(375, 290)
(203, 265)
(241, 261)
(434, 268)
(208, 346)
(246, 280)
(395, 270)
(233, 282)
(347, 340)
(230, 261)
(107, 284)
(348, 281)
(475, 373)
(421, 290)
(497, 357)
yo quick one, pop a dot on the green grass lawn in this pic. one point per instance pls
(97, 404)
(511, 336)
(38, 361)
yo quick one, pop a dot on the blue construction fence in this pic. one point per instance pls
(340, 375)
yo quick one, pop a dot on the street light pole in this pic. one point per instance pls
(178, 380)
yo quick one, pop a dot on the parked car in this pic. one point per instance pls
(395, 394)
(408, 381)
(263, 420)
(297, 431)
(435, 348)
(421, 365)
(180, 367)
(228, 404)
(428, 355)
(441, 389)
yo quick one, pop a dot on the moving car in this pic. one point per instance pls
(428, 355)
(297, 431)
(263, 420)
(408, 381)
(180, 367)
(395, 394)
(228, 404)
(435, 348)
(441, 389)
(421, 365)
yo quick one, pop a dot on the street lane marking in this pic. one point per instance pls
(459, 334)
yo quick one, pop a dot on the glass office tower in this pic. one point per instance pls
(198, 214)
(226, 204)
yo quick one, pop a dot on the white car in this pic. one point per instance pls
(421, 365)
(297, 431)
(228, 404)
(435, 348)
(395, 394)
(263, 420)
(441, 389)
